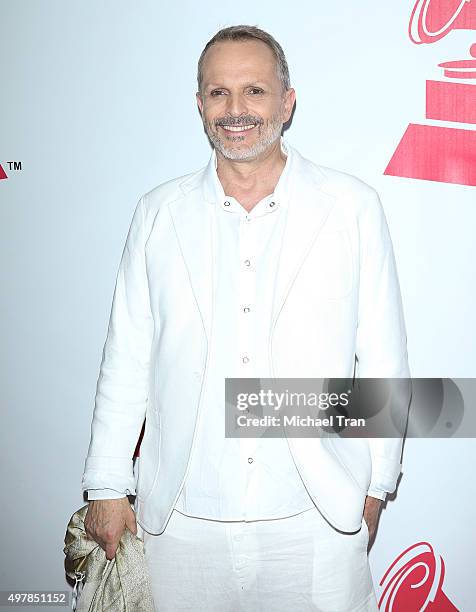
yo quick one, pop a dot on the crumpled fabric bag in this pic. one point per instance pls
(117, 585)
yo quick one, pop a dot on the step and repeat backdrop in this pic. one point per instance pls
(98, 107)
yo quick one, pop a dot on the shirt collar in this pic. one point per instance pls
(213, 189)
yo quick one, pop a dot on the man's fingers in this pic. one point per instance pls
(111, 551)
(105, 523)
(132, 525)
(131, 522)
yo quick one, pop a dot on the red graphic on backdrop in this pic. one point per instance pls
(414, 582)
(430, 151)
(3, 174)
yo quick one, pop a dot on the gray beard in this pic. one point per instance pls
(271, 134)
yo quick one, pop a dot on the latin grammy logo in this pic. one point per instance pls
(414, 581)
(437, 150)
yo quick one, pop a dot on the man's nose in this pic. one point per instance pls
(236, 105)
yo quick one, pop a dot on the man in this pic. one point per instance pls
(261, 264)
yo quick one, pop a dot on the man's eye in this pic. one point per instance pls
(256, 90)
(216, 92)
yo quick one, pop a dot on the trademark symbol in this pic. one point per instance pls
(14, 165)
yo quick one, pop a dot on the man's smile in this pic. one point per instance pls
(238, 128)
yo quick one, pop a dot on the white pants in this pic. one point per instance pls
(294, 564)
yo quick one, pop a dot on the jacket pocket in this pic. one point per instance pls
(361, 481)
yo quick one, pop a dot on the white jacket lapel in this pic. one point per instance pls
(307, 210)
(192, 218)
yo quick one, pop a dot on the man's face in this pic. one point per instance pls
(242, 102)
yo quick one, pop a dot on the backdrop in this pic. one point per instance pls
(98, 107)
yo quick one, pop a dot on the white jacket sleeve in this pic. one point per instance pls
(381, 349)
(122, 387)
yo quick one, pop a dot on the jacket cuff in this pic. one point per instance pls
(109, 473)
(385, 474)
(377, 493)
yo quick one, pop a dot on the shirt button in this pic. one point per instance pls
(246, 309)
(227, 203)
(247, 262)
(250, 459)
(271, 204)
(245, 359)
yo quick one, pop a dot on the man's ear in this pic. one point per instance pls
(289, 100)
(199, 101)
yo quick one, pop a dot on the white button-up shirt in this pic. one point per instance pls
(242, 478)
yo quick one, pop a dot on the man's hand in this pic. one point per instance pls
(371, 514)
(106, 520)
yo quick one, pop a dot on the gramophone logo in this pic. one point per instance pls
(414, 582)
(434, 151)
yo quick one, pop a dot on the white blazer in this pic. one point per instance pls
(337, 312)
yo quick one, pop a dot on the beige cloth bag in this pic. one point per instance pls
(119, 585)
